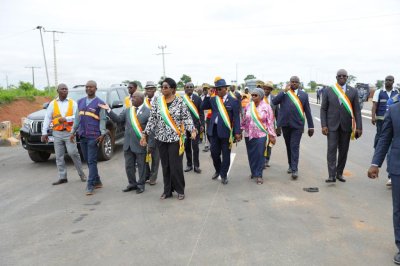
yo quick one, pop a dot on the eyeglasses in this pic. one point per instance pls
(254, 95)
(388, 79)
(341, 76)
(189, 87)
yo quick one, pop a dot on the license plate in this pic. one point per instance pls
(51, 139)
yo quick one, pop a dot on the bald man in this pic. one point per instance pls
(339, 109)
(61, 113)
(90, 125)
(133, 151)
(294, 109)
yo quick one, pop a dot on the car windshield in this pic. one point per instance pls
(78, 94)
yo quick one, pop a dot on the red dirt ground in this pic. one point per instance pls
(15, 110)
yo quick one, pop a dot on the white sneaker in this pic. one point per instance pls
(389, 183)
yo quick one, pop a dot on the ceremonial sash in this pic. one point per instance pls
(233, 95)
(337, 89)
(257, 120)
(135, 122)
(147, 102)
(266, 100)
(171, 123)
(296, 101)
(225, 118)
(192, 107)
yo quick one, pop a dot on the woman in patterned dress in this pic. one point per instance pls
(168, 119)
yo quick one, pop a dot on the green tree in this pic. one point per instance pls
(379, 84)
(250, 76)
(161, 80)
(312, 84)
(351, 79)
(25, 86)
(184, 79)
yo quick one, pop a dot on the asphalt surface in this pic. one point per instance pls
(242, 223)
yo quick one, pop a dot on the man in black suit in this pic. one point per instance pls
(193, 102)
(294, 109)
(218, 129)
(340, 118)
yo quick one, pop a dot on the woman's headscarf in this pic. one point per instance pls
(259, 92)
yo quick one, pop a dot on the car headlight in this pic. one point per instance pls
(28, 123)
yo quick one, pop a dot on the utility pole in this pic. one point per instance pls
(44, 55)
(6, 81)
(33, 74)
(162, 47)
(55, 55)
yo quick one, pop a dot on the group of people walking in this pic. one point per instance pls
(163, 128)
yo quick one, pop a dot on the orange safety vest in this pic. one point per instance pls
(56, 115)
(128, 102)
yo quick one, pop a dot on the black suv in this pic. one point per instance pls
(31, 131)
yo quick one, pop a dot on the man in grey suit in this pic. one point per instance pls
(135, 119)
(337, 123)
(390, 137)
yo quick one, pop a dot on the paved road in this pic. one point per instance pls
(242, 223)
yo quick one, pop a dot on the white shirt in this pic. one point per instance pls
(375, 98)
(63, 106)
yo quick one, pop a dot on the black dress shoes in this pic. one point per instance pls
(330, 180)
(295, 175)
(215, 176)
(60, 181)
(197, 170)
(129, 188)
(340, 178)
(224, 180)
(139, 190)
(188, 169)
(396, 258)
(289, 170)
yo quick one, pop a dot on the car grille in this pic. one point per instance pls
(37, 126)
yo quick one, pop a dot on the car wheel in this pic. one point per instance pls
(106, 148)
(39, 156)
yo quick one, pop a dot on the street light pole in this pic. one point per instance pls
(44, 55)
(162, 47)
(33, 74)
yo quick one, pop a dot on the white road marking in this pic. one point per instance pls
(233, 155)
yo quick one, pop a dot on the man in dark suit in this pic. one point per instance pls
(294, 107)
(220, 133)
(390, 136)
(198, 121)
(338, 116)
(268, 87)
(133, 151)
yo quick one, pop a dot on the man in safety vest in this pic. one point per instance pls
(132, 87)
(61, 113)
(90, 123)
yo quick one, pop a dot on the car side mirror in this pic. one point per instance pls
(116, 104)
(45, 105)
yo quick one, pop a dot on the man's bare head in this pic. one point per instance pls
(341, 77)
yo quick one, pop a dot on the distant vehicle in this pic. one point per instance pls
(250, 83)
(31, 131)
(363, 91)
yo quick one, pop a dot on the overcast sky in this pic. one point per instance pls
(111, 41)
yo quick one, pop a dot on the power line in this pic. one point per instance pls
(55, 54)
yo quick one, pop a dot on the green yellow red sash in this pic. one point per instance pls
(192, 107)
(147, 102)
(296, 101)
(225, 118)
(135, 122)
(257, 120)
(171, 123)
(337, 89)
